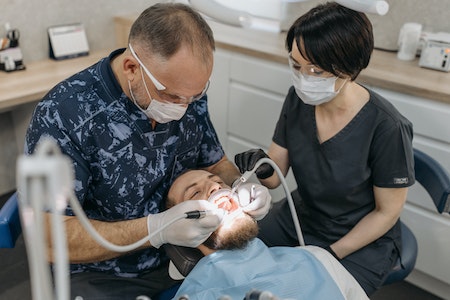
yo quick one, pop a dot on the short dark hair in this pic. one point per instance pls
(164, 27)
(337, 39)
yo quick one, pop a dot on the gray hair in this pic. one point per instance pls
(164, 28)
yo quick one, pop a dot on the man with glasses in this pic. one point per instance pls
(132, 123)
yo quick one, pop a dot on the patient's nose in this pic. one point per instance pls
(213, 188)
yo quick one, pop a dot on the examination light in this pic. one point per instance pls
(240, 18)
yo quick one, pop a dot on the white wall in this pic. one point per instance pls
(33, 17)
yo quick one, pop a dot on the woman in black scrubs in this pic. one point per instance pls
(349, 149)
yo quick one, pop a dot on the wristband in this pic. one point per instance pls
(328, 248)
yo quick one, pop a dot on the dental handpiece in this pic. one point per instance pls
(198, 214)
(244, 177)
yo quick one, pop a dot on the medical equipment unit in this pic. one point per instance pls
(45, 184)
(435, 53)
(11, 58)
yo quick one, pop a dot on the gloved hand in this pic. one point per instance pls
(184, 232)
(246, 161)
(255, 199)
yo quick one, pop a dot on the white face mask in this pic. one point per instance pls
(314, 90)
(161, 112)
(164, 112)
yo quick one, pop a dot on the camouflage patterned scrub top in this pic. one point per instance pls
(123, 167)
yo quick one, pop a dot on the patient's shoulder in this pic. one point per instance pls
(348, 285)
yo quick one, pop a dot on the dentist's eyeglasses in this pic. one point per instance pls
(308, 70)
(160, 87)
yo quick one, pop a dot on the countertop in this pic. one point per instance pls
(31, 84)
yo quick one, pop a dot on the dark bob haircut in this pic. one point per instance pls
(334, 38)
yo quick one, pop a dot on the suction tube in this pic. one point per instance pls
(288, 196)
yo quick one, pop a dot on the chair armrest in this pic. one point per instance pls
(10, 227)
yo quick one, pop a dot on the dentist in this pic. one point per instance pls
(350, 150)
(132, 123)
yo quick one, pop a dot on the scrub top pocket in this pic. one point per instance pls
(185, 160)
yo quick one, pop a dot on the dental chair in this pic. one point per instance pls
(436, 181)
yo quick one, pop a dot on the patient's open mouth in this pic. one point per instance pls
(225, 200)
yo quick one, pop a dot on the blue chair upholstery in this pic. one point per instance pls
(167, 294)
(436, 181)
(10, 227)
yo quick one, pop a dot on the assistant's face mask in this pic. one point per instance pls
(314, 90)
(161, 112)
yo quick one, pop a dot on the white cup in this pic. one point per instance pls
(408, 41)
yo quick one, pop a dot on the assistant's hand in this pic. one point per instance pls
(255, 199)
(184, 232)
(246, 161)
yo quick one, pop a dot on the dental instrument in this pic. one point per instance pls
(244, 178)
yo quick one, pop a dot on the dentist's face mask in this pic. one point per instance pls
(161, 112)
(312, 85)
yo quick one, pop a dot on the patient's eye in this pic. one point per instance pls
(193, 194)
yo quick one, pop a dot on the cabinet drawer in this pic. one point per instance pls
(431, 231)
(430, 118)
(266, 75)
(253, 113)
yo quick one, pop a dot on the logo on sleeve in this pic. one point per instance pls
(403, 180)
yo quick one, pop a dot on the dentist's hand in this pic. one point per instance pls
(247, 160)
(184, 232)
(255, 199)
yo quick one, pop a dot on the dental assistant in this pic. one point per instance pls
(131, 123)
(350, 150)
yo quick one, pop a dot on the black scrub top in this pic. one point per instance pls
(335, 178)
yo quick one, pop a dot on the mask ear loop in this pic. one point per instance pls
(338, 75)
(145, 84)
(132, 95)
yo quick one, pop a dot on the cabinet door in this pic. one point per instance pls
(218, 94)
(431, 121)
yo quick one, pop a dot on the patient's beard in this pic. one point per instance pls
(235, 236)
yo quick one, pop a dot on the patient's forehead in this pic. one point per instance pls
(183, 181)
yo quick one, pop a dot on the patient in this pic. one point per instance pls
(237, 262)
